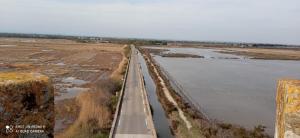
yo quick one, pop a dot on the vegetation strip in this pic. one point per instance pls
(180, 55)
(119, 105)
(171, 99)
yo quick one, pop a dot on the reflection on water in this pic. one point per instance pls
(8, 45)
(71, 93)
(240, 91)
(73, 80)
(159, 118)
(70, 88)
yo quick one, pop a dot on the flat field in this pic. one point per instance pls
(79, 73)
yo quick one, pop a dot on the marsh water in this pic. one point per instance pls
(229, 88)
(159, 117)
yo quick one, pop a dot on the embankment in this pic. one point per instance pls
(185, 119)
(26, 99)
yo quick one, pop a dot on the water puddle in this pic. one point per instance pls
(90, 70)
(60, 64)
(74, 81)
(62, 124)
(70, 87)
(5, 68)
(47, 50)
(8, 45)
(59, 125)
(72, 92)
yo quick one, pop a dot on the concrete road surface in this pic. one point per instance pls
(132, 122)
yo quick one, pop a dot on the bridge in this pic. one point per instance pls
(133, 117)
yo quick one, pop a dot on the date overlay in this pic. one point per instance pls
(25, 129)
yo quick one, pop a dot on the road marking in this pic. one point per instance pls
(119, 122)
(146, 122)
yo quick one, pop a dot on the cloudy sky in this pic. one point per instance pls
(267, 21)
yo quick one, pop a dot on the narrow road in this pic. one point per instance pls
(133, 122)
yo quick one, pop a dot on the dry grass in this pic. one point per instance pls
(97, 106)
(17, 77)
(119, 72)
(95, 111)
(94, 117)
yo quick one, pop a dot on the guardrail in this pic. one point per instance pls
(182, 92)
(119, 104)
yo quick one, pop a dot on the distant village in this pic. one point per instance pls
(136, 41)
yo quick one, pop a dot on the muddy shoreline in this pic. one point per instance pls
(180, 55)
(162, 53)
(250, 52)
(258, 55)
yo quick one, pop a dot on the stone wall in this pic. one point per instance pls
(288, 109)
(26, 105)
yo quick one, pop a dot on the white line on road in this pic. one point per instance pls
(119, 123)
(146, 122)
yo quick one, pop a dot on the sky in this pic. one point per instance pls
(262, 21)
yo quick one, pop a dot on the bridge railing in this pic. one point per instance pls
(119, 104)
